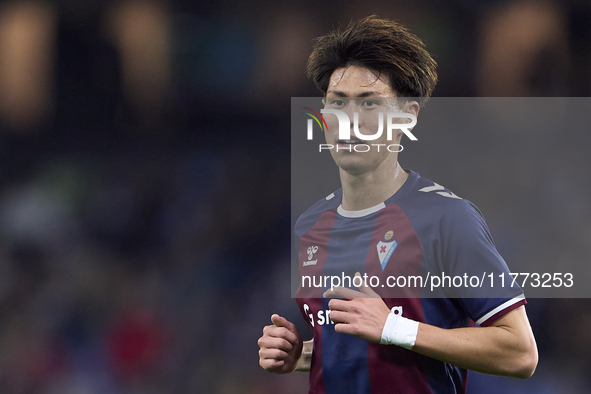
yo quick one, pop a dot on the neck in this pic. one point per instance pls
(362, 191)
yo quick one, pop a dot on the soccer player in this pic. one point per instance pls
(387, 221)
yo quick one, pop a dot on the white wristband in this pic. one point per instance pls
(399, 331)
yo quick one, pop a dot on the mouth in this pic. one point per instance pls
(349, 142)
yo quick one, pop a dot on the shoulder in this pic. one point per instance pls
(312, 214)
(455, 222)
(429, 200)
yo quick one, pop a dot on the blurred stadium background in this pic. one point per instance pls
(144, 182)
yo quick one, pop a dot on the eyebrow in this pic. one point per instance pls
(343, 94)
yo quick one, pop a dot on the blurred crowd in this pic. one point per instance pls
(145, 182)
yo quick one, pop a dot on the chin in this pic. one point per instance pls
(356, 164)
(352, 167)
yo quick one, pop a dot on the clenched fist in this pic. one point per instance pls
(280, 346)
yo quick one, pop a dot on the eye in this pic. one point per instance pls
(337, 103)
(369, 103)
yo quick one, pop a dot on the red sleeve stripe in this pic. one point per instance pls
(501, 310)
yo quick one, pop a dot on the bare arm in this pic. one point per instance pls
(507, 347)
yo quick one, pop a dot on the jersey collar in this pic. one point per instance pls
(413, 176)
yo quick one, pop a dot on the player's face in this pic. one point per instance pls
(357, 89)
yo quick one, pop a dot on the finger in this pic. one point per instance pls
(275, 343)
(342, 328)
(266, 329)
(270, 364)
(343, 292)
(365, 289)
(339, 305)
(272, 354)
(339, 316)
(281, 332)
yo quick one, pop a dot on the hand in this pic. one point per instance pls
(363, 314)
(280, 346)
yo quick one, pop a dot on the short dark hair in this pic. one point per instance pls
(383, 46)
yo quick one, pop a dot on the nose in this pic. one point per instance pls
(350, 110)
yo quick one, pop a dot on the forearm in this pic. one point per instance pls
(499, 349)
(305, 360)
(507, 347)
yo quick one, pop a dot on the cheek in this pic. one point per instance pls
(371, 124)
(332, 122)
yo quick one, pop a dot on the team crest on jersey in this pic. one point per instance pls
(388, 236)
(385, 248)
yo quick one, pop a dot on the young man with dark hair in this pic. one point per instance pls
(386, 221)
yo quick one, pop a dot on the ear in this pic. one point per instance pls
(411, 107)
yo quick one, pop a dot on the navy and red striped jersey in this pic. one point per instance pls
(423, 229)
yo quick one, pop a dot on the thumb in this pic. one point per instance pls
(365, 289)
(279, 321)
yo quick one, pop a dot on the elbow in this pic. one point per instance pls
(527, 363)
(518, 354)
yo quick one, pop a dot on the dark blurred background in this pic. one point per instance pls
(145, 181)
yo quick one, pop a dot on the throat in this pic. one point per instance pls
(368, 190)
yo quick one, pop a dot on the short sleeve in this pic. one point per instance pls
(486, 291)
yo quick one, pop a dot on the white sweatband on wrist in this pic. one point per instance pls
(399, 331)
